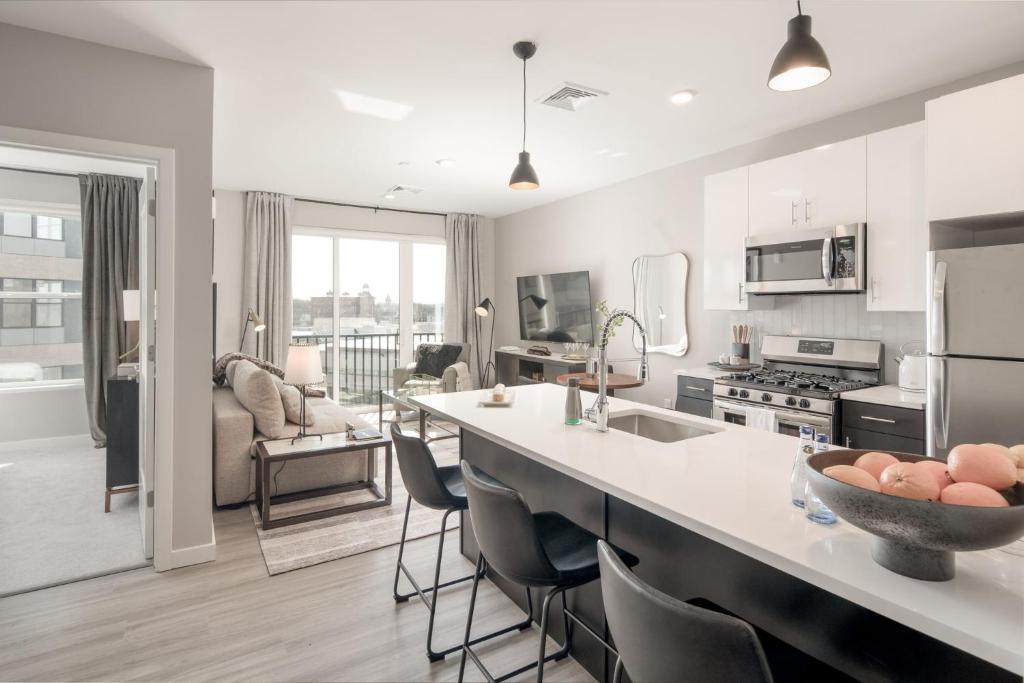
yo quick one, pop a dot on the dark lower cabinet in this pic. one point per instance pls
(883, 428)
(694, 395)
(122, 437)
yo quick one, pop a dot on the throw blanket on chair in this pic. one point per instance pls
(221, 366)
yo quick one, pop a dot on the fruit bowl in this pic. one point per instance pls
(916, 538)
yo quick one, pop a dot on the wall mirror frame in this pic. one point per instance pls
(659, 301)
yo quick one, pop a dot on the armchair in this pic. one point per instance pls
(449, 376)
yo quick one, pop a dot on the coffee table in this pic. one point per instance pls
(282, 450)
(399, 399)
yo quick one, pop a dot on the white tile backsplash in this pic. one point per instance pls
(841, 316)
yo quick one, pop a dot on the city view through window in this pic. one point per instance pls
(358, 329)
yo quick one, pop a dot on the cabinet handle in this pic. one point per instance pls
(739, 292)
(792, 213)
(878, 419)
(874, 289)
(807, 211)
(695, 388)
(849, 442)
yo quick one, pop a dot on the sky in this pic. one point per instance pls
(374, 262)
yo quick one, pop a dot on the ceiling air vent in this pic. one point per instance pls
(571, 96)
(412, 189)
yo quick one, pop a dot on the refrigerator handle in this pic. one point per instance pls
(938, 401)
(938, 307)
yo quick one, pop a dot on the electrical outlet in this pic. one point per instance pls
(666, 403)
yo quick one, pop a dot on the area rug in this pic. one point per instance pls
(52, 526)
(296, 546)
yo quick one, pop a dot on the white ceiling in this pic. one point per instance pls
(279, 123)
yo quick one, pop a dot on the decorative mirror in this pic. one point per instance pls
(659, 300)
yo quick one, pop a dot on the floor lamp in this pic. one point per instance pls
(484, 310)
(301, 370)
(257, 326)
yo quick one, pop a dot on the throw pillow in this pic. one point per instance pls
(229, 373)
(432, 359)
(255, 389)
(292, 400)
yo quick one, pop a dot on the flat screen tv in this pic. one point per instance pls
(556, 308)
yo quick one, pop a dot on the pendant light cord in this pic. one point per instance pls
(799, 11)
(524, 105)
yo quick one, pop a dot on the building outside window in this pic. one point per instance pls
(40, 294)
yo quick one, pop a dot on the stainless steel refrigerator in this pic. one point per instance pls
(975, 347)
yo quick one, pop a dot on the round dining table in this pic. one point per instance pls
(588, 381)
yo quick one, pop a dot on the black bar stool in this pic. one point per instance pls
(543, 550)
(660, 638)
(439, 488)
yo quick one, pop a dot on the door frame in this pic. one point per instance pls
(163, 159)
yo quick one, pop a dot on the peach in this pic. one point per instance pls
(906, 481)
(975, 495)
(982, 464)
(874, 462)
(855, 476)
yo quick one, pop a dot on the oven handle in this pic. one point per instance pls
(780, 415)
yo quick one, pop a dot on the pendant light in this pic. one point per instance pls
(524, 177)
(801, 63)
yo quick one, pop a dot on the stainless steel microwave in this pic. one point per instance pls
(807, 261)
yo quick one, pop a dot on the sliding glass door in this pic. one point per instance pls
(367, 302)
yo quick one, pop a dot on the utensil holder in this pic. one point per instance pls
(741, 350)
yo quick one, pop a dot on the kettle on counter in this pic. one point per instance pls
(913, 363)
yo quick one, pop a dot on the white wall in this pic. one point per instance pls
(229, 234)
(61, 85)
(37, 413)
(604, 230)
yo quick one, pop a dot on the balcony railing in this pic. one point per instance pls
(365, 363)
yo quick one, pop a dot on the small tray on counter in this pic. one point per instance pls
(742, 367)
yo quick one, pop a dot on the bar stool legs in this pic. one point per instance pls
(431, 600)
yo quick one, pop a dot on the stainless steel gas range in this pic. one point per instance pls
(800, 383)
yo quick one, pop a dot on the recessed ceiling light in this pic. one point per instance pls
(445, 163)
(603, 150)
(403, 163)
(682, 97)
(820, 147)
(616, 155)
(389, 196)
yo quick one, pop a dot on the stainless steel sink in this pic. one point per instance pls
(657, 428)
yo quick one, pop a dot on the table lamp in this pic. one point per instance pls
(131, 308)
(302, 369)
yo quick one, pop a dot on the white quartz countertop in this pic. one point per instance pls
(888, 395)
(705, 372)
(732, 486)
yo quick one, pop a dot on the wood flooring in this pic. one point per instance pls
(229, 621)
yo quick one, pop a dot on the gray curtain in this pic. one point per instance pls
(110, 265)
(267, 274)
(462, 290)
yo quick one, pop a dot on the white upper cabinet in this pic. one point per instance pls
(811, 189)
(976, 151)
(897, 237)
(725, 231)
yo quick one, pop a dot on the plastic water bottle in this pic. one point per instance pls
(798, 478)
(816, 510)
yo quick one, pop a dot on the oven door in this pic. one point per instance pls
(787, 422)
(824, 260)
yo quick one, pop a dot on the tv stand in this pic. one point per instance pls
(519, 367)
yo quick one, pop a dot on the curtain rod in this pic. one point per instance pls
(32, 170)
(364, 206)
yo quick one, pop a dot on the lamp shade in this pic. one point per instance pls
(257, 322)
(801, 63)
(481, 309)
(132, 305)
(523, 176)
(303, 365)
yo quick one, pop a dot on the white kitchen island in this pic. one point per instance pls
(710, 517)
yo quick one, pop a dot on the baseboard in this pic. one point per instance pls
(196, 554)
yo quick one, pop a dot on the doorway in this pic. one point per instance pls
(70, 507)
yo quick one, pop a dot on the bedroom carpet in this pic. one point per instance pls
(52, 526)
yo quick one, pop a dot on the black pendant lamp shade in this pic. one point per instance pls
(524, 177)
(801, 63)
